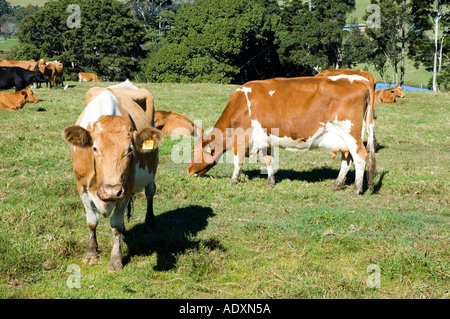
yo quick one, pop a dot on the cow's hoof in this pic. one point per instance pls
(357, 191)
(115, 265)
(90, 257)
(336, 187)
(271, 180)
(234, 181)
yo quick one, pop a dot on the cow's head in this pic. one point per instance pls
(39, 77)
(29, 95)
(206, 153)
(397, 91)
(115, 147)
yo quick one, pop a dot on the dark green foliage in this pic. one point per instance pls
(108, 41)
(218, 41)
(310, 41)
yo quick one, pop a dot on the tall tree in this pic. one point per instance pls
(107, 41)
(434, 16)
(391, 37)
(311, 34)
(218, 41)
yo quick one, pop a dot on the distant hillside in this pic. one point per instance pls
(24, 3)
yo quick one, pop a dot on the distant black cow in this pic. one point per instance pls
(19, 78)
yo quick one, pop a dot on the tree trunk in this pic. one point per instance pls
(436, 30)
(402, 65)
(440, 54)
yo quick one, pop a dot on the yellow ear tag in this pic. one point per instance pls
(148, 145)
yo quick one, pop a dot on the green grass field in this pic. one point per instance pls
(298, 239)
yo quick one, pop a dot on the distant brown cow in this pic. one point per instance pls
(30, 65)
(170, 123)
(388, 95)
(16, 100)
(54, 70)
(87, 77)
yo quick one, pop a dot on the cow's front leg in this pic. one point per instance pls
(91, 252)
(117, 227)
(150, 217)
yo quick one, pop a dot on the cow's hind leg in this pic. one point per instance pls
(269, 161)
(359, 158)
(91, 252)
(150, 217)
(346, 163)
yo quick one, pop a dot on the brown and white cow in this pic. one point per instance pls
(114, 154)
(87, 77)
(16, 100)
(295, 114)
(388, 95)
(172, 123)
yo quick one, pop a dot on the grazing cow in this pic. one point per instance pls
(30, 65)
(16, 100)
(296, 114)
(114, 154)
(87, 77)
(388, 95)
(19, 78)
(170, 123)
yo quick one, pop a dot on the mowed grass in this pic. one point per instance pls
(297, 239)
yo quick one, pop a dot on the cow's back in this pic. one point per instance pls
(296, 106)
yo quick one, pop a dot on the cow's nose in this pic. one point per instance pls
(111, 192)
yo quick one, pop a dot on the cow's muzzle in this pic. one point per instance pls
(109, 193)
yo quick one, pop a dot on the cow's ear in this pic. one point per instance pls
(147, 139)
(24, 93)
(78, 136)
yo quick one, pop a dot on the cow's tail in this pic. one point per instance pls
(369, 119)
(130, 207)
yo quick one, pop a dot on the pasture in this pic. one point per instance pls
(297, 239)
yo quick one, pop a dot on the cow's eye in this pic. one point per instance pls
(129, 151)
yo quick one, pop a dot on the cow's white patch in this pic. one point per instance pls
(259, 140)
(332, 135)
(246, 90)
(104, 208)
(351, 78)
(103, 104)
(142, 178)
(91, 211)
(125, 84)
(271, 92)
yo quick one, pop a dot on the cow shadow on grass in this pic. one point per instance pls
(321, 174)
(311, 176)
(173, 234)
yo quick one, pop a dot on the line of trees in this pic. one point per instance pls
(233, 41)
